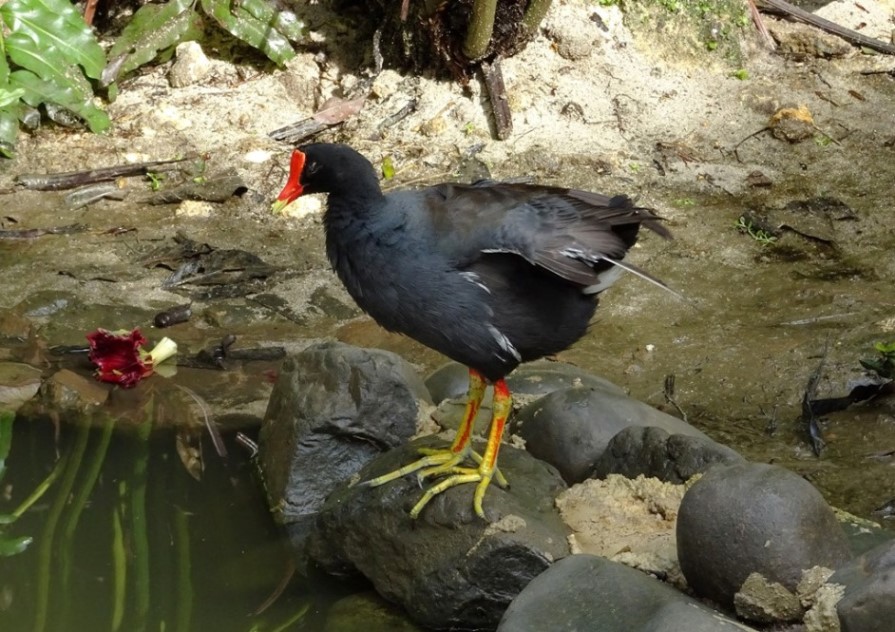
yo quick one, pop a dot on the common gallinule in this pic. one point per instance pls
(490, 274)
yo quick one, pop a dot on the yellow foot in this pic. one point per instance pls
(459, 476)
(440, 462)
(436, 462)
(451, 465)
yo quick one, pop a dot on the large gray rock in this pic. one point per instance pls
(333, 408)
(540, 377)
(448, 568)
(868, 604)
(653, 452)
(571, 428)
(587, 593)
(449, 384)
(754, 518)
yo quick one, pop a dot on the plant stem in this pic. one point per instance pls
(534, 14)
(481, 25)
(76, 508)
(119, 567)
(184, 605)
(139, 531)
(72, 461)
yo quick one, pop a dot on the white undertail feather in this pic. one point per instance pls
(606, 279)
(643, 275)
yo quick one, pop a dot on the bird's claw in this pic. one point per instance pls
(463, 476)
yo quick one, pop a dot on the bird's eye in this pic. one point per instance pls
(312, 168)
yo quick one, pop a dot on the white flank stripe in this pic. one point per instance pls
(504, 342)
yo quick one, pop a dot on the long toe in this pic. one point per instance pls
(443, 485)
(432, 459)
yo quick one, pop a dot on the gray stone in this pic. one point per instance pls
(18, 383)
(653, 452)
(571, 428)
(585, 593)
(754, 518)
(541, 377)
(333, 408)
(868, 604)
(448, 568)
(191, 65)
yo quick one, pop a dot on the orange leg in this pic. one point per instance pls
(487, 468)
(460, 448)
(440, 462)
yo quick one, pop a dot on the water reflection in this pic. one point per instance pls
(125, 538)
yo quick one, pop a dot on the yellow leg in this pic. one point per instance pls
(435, 459)
(487, 468)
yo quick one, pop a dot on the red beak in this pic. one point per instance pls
(293, 188)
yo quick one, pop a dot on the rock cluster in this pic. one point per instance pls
(717, 542)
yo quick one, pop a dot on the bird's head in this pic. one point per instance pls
(322, 168)
(295, 186)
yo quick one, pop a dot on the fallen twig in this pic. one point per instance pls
(759, 24)
(333, 112)
(808, 416)
(31, 233)
(497, 95)
(831, 27)
(72, 179)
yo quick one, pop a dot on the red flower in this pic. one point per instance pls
(120, 358)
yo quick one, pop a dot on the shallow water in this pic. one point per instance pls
(126, 539)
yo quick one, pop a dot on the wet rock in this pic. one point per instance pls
(67, 393)
(571, 428)
(862, 534)
(651, 451)
(449, 383)
(868, 602)
(18, 383)
(586, 592)
(333, 408)
(191, 65)
(754, 518)
(540, 377)
(448, 568)
(364, 612)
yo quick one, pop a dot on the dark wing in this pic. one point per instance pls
(574, 234)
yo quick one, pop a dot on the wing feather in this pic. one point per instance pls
(576, 235)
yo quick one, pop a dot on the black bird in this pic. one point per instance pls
(490, 274)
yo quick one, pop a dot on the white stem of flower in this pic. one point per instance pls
(162, 351)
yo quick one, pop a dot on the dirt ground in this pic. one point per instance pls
(602, 100)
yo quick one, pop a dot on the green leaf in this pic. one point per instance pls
(55, 24)
(14, 546)
(9, 130)
(155, 28)
(257, 33)
(4, 66)
(10, 97)
(64, 91)
(283, 21)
